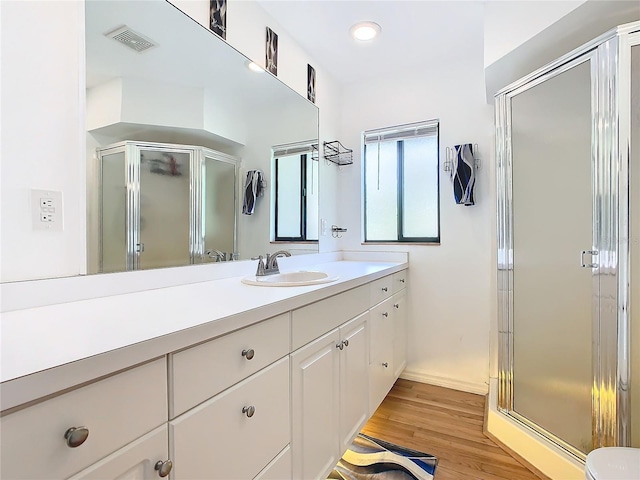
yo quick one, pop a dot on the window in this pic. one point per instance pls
(295, 193)
(401, 174)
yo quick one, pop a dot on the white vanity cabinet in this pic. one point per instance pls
(37, 441)
(381, 368)
(329, 396)
(388, 327)
(279, 399)
(399, 301)
(202, 371)
(237, 433)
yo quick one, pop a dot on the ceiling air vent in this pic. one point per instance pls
(131, 39)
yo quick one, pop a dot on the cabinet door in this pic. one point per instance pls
(354, 379)
(381, 355)
(315, 407)
(234, 435)
(400, 333)
(135, 461)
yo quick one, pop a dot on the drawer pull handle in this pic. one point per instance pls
(385, 365)
(76, 436)
(384, 289)
(401, 280)
(340, 345)
(346, 343)
(385, 314)
(163, 468)
(248, 354)
(396, 305)
(249, 411)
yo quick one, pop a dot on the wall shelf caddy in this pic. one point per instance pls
(337, 153)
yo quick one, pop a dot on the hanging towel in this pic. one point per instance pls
(463, 174)
(254, 186)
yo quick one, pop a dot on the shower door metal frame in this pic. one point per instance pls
(609, 54)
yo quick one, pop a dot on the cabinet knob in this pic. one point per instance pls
(340, 345)
(401, 280)
(384, 289)
(385, 314)
(397, 305)
(76, 436)
(163, 468)
(385, 365)
(346, 343)
(249, 411)
(248, 354)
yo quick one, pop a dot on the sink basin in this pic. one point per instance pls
(290, 279)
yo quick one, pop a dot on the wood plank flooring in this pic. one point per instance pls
(448, 424)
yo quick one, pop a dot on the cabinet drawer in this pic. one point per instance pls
(381, 289)
(205, 370)
(400, 280)
(116, 410)
(134, 461)
(382, 329)
(313, 321)
(279, 468)
(217, 440)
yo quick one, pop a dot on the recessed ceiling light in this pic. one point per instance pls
(365, 31)
(254, 67)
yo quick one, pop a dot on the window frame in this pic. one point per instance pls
(401, 239)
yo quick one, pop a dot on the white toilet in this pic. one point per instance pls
(613, 463)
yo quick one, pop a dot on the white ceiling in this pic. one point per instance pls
(412, 32)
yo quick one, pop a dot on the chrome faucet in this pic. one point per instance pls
(216, 255)
(269, 265)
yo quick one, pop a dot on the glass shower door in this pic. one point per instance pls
(219, 208)
(554, 287)
(164, 206)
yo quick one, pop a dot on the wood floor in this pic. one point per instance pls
(445, 423)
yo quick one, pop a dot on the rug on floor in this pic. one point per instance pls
(373, 459)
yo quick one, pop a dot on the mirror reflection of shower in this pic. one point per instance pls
(165, 205)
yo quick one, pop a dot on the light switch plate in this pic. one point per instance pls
(46, 210)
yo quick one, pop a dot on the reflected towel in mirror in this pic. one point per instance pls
(254, 186)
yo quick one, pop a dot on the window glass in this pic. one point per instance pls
(401, 196)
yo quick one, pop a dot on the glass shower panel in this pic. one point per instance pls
(552, 224)
(634, 210)
(218, 211)
(113, 244)
(164, 208)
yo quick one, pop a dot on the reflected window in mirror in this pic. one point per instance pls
(295, 193)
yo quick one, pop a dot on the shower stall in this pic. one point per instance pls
(569, 246)
(164, 205)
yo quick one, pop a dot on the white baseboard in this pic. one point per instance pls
(470, 387)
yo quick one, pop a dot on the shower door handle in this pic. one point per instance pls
(593, 253)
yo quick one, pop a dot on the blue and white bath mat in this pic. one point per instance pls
(372, 459)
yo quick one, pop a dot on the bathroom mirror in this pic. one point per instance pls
(155, 75)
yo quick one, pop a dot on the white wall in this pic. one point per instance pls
(42, 139)
(450, 285)
(507, 25)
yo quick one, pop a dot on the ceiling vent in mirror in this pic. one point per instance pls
(131, 39)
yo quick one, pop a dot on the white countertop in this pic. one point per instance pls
(146, 324)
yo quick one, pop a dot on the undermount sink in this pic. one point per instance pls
(290, 279)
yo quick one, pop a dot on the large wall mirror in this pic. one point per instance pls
(175, 122)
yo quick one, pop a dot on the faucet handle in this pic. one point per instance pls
(260, 270)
